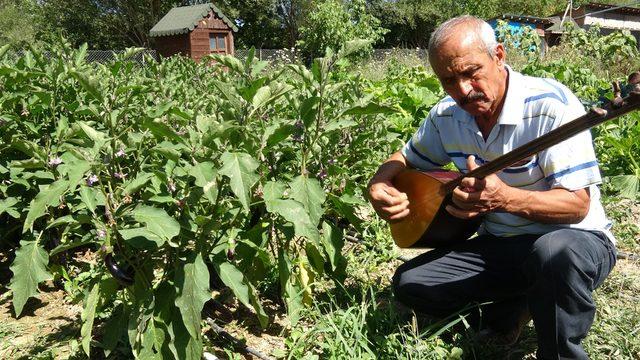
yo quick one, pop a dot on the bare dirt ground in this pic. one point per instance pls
(44, 330)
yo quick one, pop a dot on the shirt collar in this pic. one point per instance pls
(513, 107)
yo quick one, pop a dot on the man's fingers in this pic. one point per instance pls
(399, 216)
(388, 196)
(469, 183)
(465, 199)
(391, 210)
(462, 214)
(471, 162)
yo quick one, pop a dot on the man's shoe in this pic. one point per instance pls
(503, 338)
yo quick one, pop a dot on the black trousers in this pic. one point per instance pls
(552, 275)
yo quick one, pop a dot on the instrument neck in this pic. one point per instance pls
(594, 117)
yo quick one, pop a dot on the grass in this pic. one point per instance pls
(360, 320)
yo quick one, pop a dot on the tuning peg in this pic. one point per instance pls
(599, 111)
(634, 81)
(617, 95)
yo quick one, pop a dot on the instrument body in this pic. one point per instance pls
(428, 223)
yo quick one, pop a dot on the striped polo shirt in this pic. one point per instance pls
(533, 106)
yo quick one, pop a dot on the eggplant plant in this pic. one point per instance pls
(174, 173)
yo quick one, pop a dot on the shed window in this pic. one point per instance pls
(217, 42)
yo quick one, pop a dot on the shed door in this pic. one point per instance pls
(218, 43)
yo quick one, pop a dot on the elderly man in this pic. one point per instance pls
(544, 244)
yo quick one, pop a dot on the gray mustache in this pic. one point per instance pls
(473, 96)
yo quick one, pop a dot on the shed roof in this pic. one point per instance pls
(181, 20)
(621, 9)
(524, 19)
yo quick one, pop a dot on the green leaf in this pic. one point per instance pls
(332, 242)
(261, 97)
(88, 315)
(294, 212)
(184, 346)
(346, 205)
(138, 183)
(236, 281)
(75, 169)
(231, 62)
(29, 269)
(628, 186)
(310, 194)
(314, 257)
(161, 130)
(273, 190)
(240, 168)
(370, 108)
(114, 329)
(88, 196)
(95, 136)
(81, 54)
(50, 196)
(339, 125)
(4, 49)
(192, 281)
(157, 221)
(89, 84)
(7, 204)
(206, 177)
(276, 133)
(309, 110)
(141, 238)
(291, 292)
(62, 221)
(229, 93)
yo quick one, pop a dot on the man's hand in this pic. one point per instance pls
(478, 196)
(388, 202)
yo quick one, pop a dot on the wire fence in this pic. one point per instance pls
(272, 55)
(282, 56)
(103, 56)
(293, 55)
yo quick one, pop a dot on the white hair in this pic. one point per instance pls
(480, 28)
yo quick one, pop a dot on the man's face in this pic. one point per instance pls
(475, 80)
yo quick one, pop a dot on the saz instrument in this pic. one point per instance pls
(430, 225)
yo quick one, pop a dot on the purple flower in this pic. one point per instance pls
(119, 175)
(53, 162)
(92, 179)
(102, 234)
(322, 174)
(332, 161)
(120, 153)
(171, 186)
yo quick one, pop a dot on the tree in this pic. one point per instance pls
(17, 22)
(332, 23)
(104, 24)
(411, 21)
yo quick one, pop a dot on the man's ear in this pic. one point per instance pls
(500, 55)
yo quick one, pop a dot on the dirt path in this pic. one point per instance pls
(47, 328)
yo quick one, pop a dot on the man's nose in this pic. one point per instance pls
(463, 87)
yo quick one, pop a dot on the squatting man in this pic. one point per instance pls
(544, 244)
